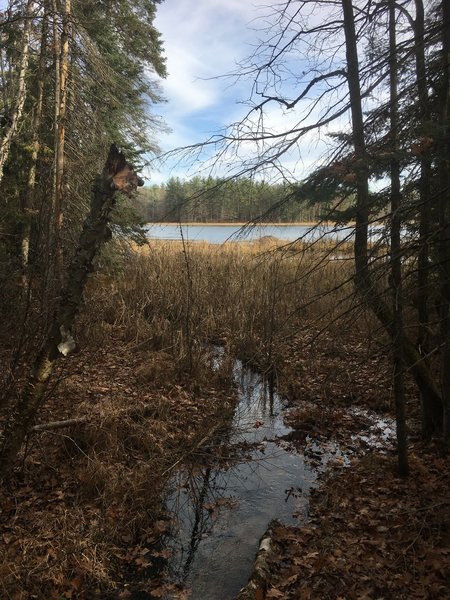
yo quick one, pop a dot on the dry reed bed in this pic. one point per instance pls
(249, 295)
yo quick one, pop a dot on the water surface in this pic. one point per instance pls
(222, 508)
(222, 503)
(218, 234)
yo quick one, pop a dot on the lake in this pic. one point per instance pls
(227, 232)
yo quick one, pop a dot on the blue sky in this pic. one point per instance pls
(204, 40)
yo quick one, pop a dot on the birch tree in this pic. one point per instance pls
(16, 110)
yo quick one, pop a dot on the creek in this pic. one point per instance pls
(222, 507)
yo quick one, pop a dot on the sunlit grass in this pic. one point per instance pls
(245, 295)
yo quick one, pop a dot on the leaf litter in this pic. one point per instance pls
(73, 526)
(370, 534)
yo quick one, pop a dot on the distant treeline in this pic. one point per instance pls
(215, 200)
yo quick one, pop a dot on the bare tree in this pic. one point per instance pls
(344, 69)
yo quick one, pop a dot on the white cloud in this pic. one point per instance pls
(204, 41)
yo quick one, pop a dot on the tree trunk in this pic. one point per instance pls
(21, 94)
(396, 253)
(116, 175)
(61, 110)
(424, 216)
(363, 280)
(444, 220)
(28, 199)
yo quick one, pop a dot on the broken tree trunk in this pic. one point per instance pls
(116, 175)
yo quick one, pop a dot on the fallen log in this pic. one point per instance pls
(258, 582)
(58, 424)
(146, 410)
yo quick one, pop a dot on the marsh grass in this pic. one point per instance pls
(246, 296)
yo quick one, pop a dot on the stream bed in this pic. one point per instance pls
(221, 507)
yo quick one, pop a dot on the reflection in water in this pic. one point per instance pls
(198, 525)
(222, 508)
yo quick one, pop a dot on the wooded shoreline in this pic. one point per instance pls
(243, 223)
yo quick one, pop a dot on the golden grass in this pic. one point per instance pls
(246, 294)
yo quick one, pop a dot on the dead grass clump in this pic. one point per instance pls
(128, 495)
(53, 551)
(88, 500)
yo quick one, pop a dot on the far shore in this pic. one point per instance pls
(242, 224)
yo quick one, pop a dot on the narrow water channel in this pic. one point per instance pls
(221, 510)
(221, 507)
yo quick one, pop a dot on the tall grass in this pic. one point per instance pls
(246, 296)
(169, 302)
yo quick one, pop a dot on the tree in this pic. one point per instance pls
(444, 217)
(396, 250)
(13, 114)
(117, 175)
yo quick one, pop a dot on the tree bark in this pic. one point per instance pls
(425, 199)
(62, 65)
(28, 199)
(396, 253)
(21, 94)
(444, 220)
(363, 280)
(116, 175)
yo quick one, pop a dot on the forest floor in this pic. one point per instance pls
(84, 506)
(371, 534)
(81, 518)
